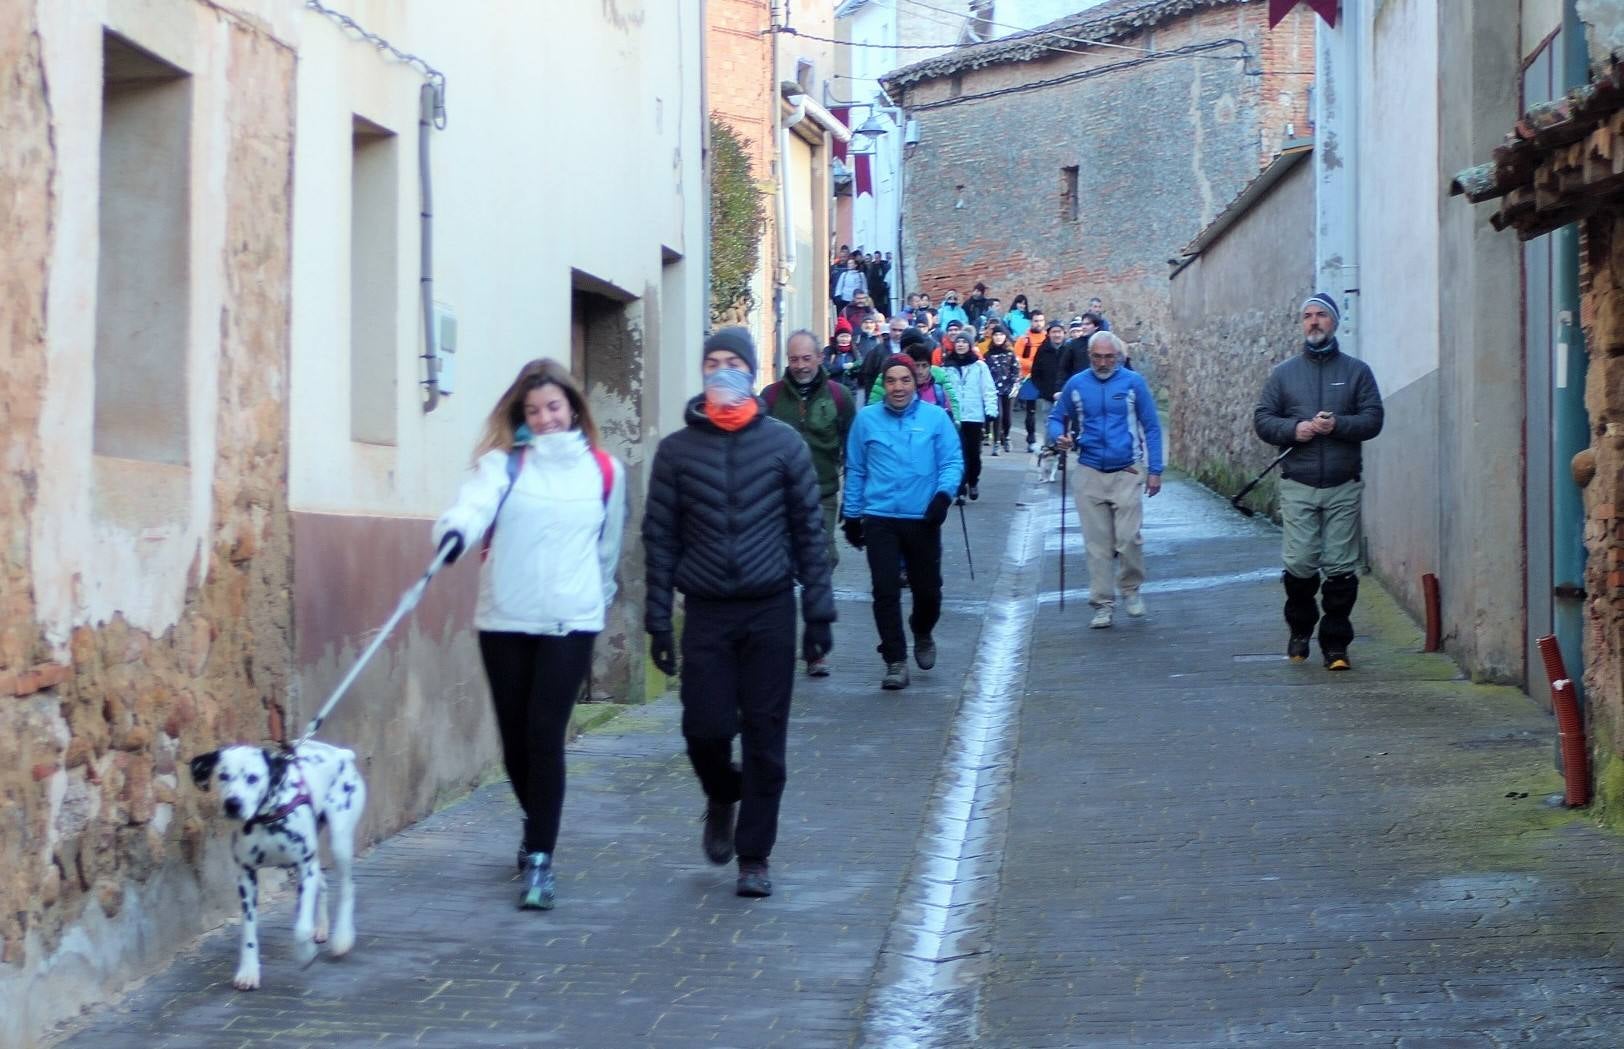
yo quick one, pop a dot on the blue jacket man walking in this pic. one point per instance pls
(903, 465)
(1108, 414)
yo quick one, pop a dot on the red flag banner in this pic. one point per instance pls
(1326, 9)
(864, 181)
(842, 114)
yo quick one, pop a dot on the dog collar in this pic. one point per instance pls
(284, 810)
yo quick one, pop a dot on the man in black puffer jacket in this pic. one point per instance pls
(1321, 404)
(733, 522)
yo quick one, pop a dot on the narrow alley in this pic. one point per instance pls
(1161, 834)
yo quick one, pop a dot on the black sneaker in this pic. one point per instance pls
(1337, 661)
(1297, 648)
(539, 886)
(896, 676)
(718, 836)
(924, 652)
(753, 880)
(974, 493)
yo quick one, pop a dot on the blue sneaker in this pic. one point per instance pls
(539, 886)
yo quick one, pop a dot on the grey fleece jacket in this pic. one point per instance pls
(1302, 387)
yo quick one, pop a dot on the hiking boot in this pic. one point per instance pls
(539, 885)
(753, 880)
(896, 677)
(958, 501)
(818, 668)
(718, 836)
(974, 493)
(1337, 661)
(924, 652)
(995, 449)
(1134, 605)
(1006, 444)
(1032, 447)
(1297, 648)
(1101, 620)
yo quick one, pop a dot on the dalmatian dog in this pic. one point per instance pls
(278, 802)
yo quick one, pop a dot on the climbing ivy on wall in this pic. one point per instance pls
(738, 214)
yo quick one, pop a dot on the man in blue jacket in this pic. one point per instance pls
(1118, 438)
(903, 464)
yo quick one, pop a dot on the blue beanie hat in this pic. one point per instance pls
(735, 340)
(1320, 298)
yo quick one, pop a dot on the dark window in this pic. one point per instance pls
(1068, 193)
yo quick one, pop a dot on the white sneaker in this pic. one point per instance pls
(1134, 604)
(1102, 619)
(1032, 446)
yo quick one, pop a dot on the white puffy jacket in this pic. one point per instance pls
(974, 386)
(552, 561)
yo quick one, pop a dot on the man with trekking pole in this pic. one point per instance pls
(1118, 438)
(1321, 406)
(904, 463)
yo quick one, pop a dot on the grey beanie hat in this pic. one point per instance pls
(735, 340)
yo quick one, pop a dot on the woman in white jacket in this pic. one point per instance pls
(978, 406)
(551, 508)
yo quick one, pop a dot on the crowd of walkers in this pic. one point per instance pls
(875, 436)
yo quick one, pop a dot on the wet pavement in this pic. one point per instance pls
(1160, 834)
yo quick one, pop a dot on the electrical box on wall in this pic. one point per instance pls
(445, 346)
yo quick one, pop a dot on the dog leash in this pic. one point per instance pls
(408, 601)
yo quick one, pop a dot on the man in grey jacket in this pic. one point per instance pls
(1323, 405)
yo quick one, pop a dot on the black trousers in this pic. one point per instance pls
(1000, 430)
(1032, 409)
(894, 542)
(738, 671)
(1336, 597)
(970, 435)
(534, 680)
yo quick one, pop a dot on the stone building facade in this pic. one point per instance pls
(222, 451)
(1066, 169)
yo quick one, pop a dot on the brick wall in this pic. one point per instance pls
(1160, 148)
(740, 91)
(101, 840)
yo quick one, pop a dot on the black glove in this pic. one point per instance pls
(936, 512)
(453, 544)
(662, 649)
(816, 641)
(853, 527)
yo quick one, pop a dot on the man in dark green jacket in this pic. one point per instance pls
(821, 411)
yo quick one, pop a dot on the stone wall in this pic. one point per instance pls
(1234, 317)
(1600, 470)
(106, 865)
(1159, 148)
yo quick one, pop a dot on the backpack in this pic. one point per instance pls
(837, 390)
(515, 460)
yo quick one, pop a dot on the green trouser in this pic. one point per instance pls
(1320, 528)
(831, 510)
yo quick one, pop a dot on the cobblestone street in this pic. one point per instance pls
(1160, 834)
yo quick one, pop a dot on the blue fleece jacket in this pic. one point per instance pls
(1118, 420)
(896, 462)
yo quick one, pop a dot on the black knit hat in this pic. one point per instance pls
(912, 336)
(734, 340)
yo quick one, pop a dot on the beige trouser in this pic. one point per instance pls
(1111, 507)
(1320, 528)
(831, 510)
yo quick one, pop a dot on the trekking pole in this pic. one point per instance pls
(408, 601)
(967, 556)
(1063, 456)
(1247, 511)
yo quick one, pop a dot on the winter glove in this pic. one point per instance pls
(452, 543)
(936, 512)
(853, 527)
(816, 641)
(662, 650)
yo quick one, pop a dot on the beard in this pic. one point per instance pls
(1317, 338)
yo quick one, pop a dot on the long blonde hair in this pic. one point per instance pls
(503, 423)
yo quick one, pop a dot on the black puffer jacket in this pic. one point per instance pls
(734, 515)
(1305, 385)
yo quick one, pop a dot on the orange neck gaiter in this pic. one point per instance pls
(733, 417)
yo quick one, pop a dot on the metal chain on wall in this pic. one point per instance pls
(432, 75)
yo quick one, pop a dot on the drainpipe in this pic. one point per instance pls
(428, 103)
(1570, 424)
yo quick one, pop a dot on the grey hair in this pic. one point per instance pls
(1109, 337)
(798, 332)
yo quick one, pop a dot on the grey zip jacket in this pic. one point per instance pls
(1310, 383)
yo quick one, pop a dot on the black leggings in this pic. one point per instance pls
(970, 444)
(534, 680)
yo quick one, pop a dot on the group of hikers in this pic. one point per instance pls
(876, 443)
